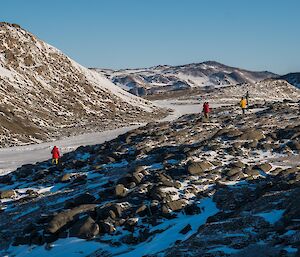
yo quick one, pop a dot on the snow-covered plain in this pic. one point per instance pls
(13, 157)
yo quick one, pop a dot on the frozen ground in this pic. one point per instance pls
(13, 157)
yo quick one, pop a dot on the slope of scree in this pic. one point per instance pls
(224, 187)
(164, 78)
(46, 95)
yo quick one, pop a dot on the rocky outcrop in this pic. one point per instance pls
(230, 184)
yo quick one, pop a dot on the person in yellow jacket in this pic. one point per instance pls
(243, 104)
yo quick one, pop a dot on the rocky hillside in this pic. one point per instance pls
(228, 186)
(45, 95)
(292, 78)
(264, 91)
(171, 78)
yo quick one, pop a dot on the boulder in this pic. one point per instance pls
(177, 204)
(66, 178)
(6, 179)
(156, 193)
(238, 164)
(198, 168)
(113, 210)
(265, 167)
(85, 228)
(186, 229)
(228, 133)
(233, 171)
(64, 218)
(85, 198)
(131, 221)
(7, 194)
(137, 177)
(121, 191)
(40, 175)
(142, 210)
(106, 227)
(80, 179)
(252, 172)
(192, 209)
(252, 134)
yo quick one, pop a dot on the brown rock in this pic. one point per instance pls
(85, 228)
(121, 191)
(7, 194)
(198, 168)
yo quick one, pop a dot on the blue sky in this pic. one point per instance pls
(252, 34)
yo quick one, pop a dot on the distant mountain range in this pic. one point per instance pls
(166, 78)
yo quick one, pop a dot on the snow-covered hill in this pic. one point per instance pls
(170, 78)
(45, 95)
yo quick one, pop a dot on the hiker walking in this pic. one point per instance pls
(247, 97)
(243, 104)
(55, 155)
(206, 110)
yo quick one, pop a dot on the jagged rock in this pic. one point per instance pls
(7, 194)
(137, 177)
(139, 169)
(265, 167)
(142, 210)
(252, 172)
(106, 227)
(6, 179)
(24, 171)
(186, 229)
(198, 168)
(157, 193)
(192, 209)
(171, 183)
(112, 210)
(238, 164)
(80, 179)
(65, 217)
(177, 204)
(40, 174)
(85, 228)
(132, 221)
(289, 171)
(85, 198)
(32, 193)
(233, 171)
(121, 191)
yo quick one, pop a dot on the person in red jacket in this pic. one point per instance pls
(55, 155)
(206, 110)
